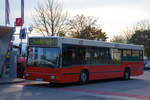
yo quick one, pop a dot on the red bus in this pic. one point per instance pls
(67, 60)
(21, 64)
(21, 59)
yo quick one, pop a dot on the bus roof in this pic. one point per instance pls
(94, 43)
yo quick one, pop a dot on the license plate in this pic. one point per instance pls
(39, 79)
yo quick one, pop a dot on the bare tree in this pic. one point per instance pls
(50, 19)
(142, 25)
(118, 39)
(127, 34)
(80, 22)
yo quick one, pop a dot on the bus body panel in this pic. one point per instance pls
(42, 73)
(105, 72)
(72, 74)
(136, 68)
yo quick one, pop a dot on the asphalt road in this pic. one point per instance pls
(138, 88)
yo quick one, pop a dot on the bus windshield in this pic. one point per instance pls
(43, 57)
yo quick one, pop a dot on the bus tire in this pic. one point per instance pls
(83, 77)
(127, 74)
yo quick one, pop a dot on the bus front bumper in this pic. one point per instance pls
(44, 78)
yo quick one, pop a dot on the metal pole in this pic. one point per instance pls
(27, 36)
(5, 12)
(21, 44)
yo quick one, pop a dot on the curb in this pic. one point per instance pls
(11, 82)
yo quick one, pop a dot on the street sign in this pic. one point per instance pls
(22, 33)
(19, 22)
(30, 29)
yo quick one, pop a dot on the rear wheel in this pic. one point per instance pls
(127, 74)
(83, 77)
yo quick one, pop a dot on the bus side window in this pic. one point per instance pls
(66, 54)
(71, 55)
(87, 55)
(136, 55)
(141, 55)
(80, 55)
(116, 56)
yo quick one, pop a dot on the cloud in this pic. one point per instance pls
(116, 16)
(79, 4)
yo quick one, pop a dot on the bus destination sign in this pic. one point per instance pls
(42, 42)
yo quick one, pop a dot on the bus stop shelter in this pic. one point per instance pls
(5, 38)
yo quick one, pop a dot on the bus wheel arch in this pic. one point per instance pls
(127, 73)
(84, 76)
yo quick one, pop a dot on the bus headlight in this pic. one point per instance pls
(52, 77)
(27, 74)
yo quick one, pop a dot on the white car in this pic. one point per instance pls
(147, 65)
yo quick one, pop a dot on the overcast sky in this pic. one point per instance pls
(113, 15)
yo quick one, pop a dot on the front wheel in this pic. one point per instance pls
(83, 77)
(127, 74)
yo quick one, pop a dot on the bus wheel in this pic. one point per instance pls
(127, 74)
(83, 77)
